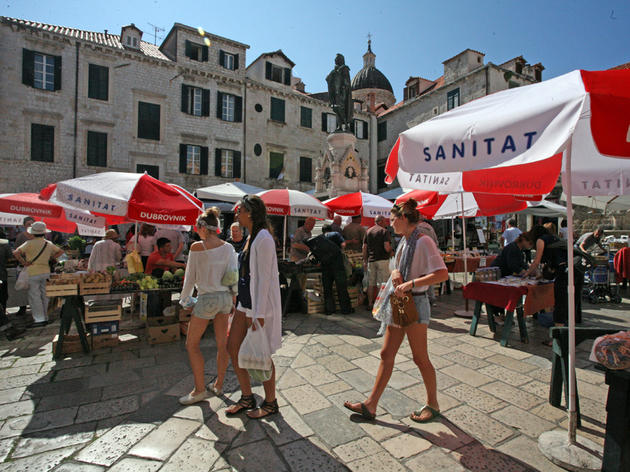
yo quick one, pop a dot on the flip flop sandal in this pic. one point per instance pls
(365, 413)
(268, 408)
(246, 402)
(434, 414)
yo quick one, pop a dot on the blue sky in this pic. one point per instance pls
(409, 38)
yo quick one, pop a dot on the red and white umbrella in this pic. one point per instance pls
(285, 202)
(137, 197)
(517, 141)
(360, 203)
(466, 204)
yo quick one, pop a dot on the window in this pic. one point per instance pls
(452, 99)
(195, 101)
(96, 149)
(98, 82)
(329, 122)
(277, 110)
(306, 117)
(227, 163)
(229, 107)
(277, 73)
(193, 159)
(382, 131)
(306, 169)
(361, 129)
(196, 52)
(153, 171)
(42, 143)
(228, 60)
(148, 121)
(380, 176)
(276, 165)
(41, 71)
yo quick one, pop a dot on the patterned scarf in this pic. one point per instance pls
(407, 252)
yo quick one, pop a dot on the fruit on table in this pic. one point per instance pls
(179, 273)
(167, 275)
(94, 278)
(149, 283)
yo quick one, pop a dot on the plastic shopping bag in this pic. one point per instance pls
(612, 350)
(255, 353)
(382, 308)
(134, 262)
(22, 280)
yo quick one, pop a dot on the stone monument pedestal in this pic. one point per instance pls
(341, 170)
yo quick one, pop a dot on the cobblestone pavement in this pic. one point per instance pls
(117, 409)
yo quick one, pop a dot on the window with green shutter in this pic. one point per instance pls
(277, 109)
(96, 149)
(382, 131)
(360, 129)
(148, 121)
(153, 171)
(98, 82)
(41, 71)
(306, 117)
(42, 143)
(306, 169)
(196, 52)
(276, 165)
(452, 99)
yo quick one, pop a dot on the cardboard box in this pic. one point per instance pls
(104, 340)
(183, 328)
(184, 313)
(102, 310)
(104, 327)
(71, 343)
(163, 334)
(162, 320)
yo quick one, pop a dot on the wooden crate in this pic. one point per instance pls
(71, 343)
(102, 341)
(95, 288)
(106, 310)
(55, 287)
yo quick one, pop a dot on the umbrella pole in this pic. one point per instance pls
(570, 452)
(284, 239)
(465, 313)
(453, 233)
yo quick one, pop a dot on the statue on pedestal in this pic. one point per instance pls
(340, 94)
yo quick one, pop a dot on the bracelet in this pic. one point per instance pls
(413, 283)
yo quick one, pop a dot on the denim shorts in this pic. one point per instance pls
(424, 308)
(210, 304)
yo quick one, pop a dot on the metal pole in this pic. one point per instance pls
(284, 239)
(461, 195)
(566, 180)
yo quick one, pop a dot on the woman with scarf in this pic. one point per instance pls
(418, 265)
(258, 299)
(212, 269)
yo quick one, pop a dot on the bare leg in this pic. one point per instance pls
(270, 394)
(196, 329)
(238, 330)
(417, 336)
(393, 339)
(220, 325)
(371, 292)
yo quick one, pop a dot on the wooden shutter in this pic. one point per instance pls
(235, 61)
(185, 92)
(365, 130)
(204, 161)
(268, 70)
(238, 109)
(188, 51)
(324, 120)
(287, 76)
(219, 105)
(57, 73)
(222, 58)
(205, 102)
(217, 162)
(28, 67)
(204, 53)
(236, 165)
(183, 158)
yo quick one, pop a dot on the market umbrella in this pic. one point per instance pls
(360, 203)
(228, 192)
(137, 197)
(285, 202)
(516, 142)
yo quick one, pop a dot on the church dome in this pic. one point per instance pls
(370, 77)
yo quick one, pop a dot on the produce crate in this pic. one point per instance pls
(355, 258)
(62, 285)
(71, 343)
(102, 284)
(163, 334)
(102, 341)
(102, 310)
(315, 300)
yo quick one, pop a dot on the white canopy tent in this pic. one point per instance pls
(228, 192)
(544, 208)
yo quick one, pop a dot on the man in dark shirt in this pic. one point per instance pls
(511, 259)
(377, 250)
(354, 234)
(5, 325)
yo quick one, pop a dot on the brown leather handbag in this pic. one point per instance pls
(404, 310)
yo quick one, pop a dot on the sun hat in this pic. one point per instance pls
(37, 229)
(111, 234)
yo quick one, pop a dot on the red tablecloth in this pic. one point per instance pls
(537, 296)
(622, 263)
(472, 263)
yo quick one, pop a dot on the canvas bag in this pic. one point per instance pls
(22, 281)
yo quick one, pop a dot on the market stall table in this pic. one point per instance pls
(510, 297)
(472, 263)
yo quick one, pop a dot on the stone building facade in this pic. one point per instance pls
(465, 78)
(189, 112)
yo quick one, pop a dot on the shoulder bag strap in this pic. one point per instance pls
(40, 252)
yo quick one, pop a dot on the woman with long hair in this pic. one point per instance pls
(258, 298)
(418, 265)
(209, 261)
(144, 242)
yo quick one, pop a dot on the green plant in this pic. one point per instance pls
(76, 243)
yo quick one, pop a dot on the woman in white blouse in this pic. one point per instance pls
(210, 263)
(258, 297)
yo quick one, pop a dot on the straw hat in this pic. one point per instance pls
(111, 234)
(37, 229)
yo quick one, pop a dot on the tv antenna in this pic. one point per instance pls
(156, 29)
